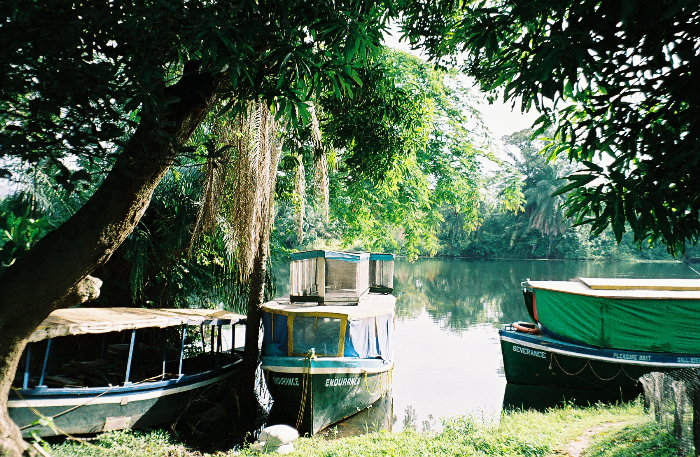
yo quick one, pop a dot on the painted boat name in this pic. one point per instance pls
(688, 359)
(286, 381)
(639, 357)
(531, 352)
(336, 382)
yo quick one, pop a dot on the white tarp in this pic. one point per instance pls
(78, 321)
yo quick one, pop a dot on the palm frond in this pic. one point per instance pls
(300, 190)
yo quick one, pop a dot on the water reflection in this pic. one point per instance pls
(448, 359)
(459, 293)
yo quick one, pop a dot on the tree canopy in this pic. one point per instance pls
(616, 80)
(77, 78)
(406, 152)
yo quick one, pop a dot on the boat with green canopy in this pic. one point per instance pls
(603, 333)
(327, 352)
(657, 315)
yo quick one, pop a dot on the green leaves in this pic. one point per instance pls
(577, 180)
(408, 156)
(18, 233)
(614, 80)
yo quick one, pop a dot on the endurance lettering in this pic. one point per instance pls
(286, 381)
(337, 382)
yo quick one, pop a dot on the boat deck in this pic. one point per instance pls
(370, 305)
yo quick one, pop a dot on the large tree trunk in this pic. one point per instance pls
(42, 280)
(251, 355)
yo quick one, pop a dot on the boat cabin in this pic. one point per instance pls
(362, 331)
(90, 347)
(381, 273)
(334, 276)
(654, 315)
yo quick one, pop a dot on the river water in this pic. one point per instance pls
(448, 360)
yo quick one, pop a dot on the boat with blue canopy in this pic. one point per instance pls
(325, 362)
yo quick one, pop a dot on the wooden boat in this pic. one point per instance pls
(603, 333)
(323, 363)
(90, 370)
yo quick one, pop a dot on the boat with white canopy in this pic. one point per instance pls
(325, 362)
(90, 370)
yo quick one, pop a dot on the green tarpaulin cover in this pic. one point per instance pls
(657, 325)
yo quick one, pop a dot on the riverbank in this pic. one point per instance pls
(599, 431)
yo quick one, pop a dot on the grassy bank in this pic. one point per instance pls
(622, 431)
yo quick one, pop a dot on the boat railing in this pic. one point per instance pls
(96, 364)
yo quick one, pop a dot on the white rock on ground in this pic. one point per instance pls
(276, 438)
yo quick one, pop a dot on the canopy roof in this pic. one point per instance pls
(636, 283)
(78, 321)
(370, 305)
(346, 256)
(680, 289)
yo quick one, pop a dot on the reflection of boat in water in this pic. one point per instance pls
(99, 369)
(603, 333)
(323, 363)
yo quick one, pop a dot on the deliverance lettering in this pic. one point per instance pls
(528, 351)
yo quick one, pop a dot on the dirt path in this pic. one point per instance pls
(575, 447)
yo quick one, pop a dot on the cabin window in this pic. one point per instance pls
(274, 334)
(346, 279)
(371, 337)
(381, 273)
(322, 334)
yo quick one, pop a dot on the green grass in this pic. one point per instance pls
(520, 433)
(643, 439)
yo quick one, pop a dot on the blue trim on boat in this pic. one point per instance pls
(547, 343)
(43, 392)
(323, 362)
(331, 255)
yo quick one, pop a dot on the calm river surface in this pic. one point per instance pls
(448, 359)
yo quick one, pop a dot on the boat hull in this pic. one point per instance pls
(93, 410)
(311, 394)
(542, 360)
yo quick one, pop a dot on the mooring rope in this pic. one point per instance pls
(387, 375)
(306, 390)
(588, 364)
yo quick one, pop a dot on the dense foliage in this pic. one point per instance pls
(407, 151)
(541, 229)
(78, 81)
(616, 80)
